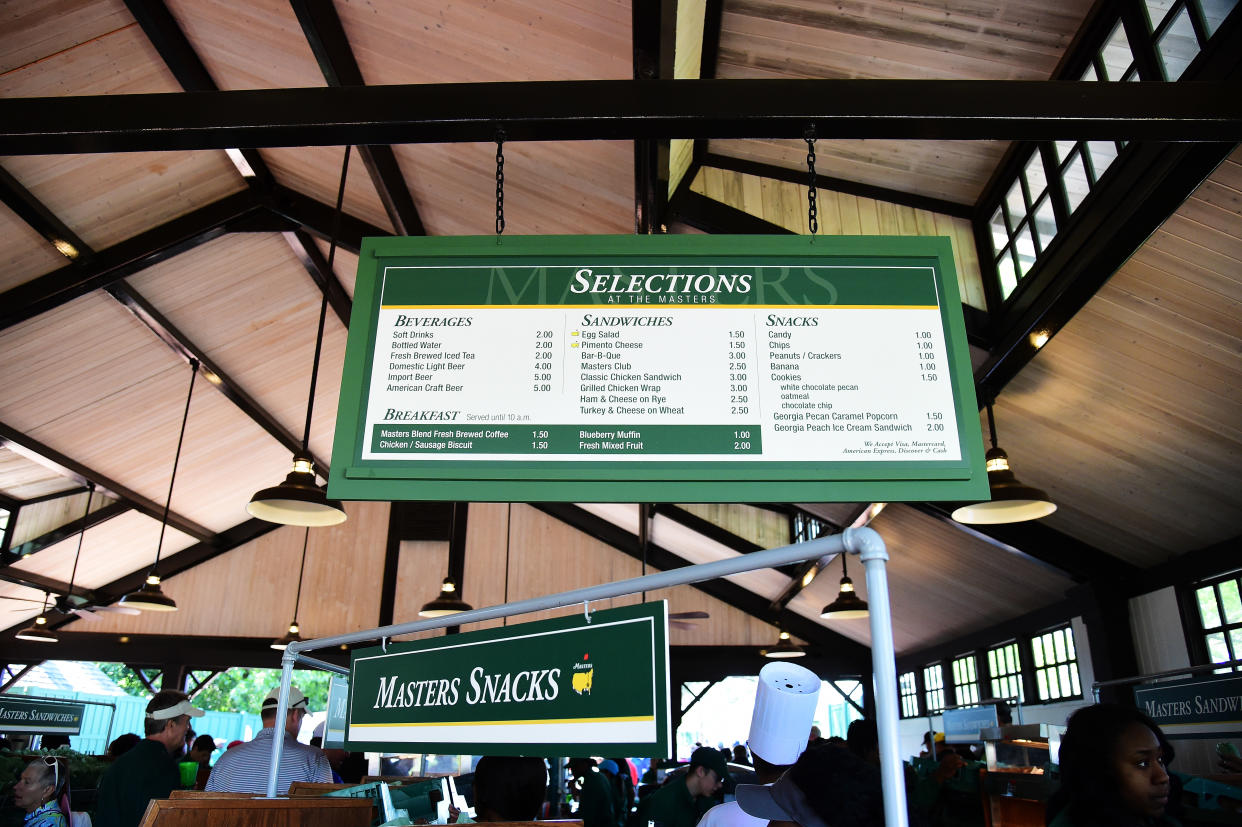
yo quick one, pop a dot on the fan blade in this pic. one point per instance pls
(118, 610)
(683, 624)
(688, 616)
(85, 614)
(21, 599)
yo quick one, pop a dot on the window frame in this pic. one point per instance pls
(1035, 669)
(1198, 632)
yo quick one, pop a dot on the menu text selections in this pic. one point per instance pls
(813, 363)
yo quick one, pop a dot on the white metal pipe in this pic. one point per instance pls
(884, 668)
(282, 709)
(850, 540)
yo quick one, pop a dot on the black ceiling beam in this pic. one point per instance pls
(38, 582)
(851, 653)
(229, 214)
(323, 31)
(36, 451)
(623, 110)
(170, 566)
(302, 211)
(55, 495)
(827, 182)
(1042, 544)
(154, 651)
(39, 218)
(179, 343)
(647, 22)
(316, 265)
(708, 529)
(179, 56)
(64, 532)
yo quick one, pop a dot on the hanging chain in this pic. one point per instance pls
(812, 212)
(500, 181)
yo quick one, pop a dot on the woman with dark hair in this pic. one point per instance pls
(36, 791)
(1113, 764)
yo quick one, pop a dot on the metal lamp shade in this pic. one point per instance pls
(150, 598)
(784, 648)
(446, 603)
(291, 636)
(1012, 502)
(298, 500)
(38, 632)
(848, 605)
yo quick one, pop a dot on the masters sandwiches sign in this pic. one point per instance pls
(552, 687)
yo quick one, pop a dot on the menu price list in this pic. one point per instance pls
(799, 384)
(568, 439)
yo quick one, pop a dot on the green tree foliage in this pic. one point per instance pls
(234, 690)
(124, 678)
(243, 690)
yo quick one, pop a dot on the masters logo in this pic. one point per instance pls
(583, 673)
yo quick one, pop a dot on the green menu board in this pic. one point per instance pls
(674, 368)
(552, 687)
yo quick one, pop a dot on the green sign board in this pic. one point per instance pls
(43, 717)
(566, 686)
(1202, 708)
(338, 714)
(677, 368)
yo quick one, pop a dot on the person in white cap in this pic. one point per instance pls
(785, 701)
(149, 769)
(245, 769)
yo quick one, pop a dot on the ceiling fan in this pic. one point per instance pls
(70, 603)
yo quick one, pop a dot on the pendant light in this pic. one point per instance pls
(448, 601)
(294, 633)
(150, 597)
(848, 605)
(1012, 502)
(785, 648)
(38, 631)
(299, 500)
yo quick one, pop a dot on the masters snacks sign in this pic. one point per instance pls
(553, 687)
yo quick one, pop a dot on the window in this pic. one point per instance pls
(1005, 666)
(933, 692)
(1220, 616)
(966, 680)
(1056, 665)
(909, 689)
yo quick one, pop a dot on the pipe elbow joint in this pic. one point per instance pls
(866, 543)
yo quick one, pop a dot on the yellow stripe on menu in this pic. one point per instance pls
(660, 306)
(622, 719)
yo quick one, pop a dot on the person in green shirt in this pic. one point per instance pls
(148, 770)
(1113, 765)
(595, 799)
(678, 802)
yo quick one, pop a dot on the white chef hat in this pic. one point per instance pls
(784, 711)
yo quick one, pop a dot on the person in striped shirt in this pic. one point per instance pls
(245, 768)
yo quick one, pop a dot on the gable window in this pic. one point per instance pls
(909, 689)
(933, 692)
(966, 680)
(1005, 667)
(1220, 619)
(1056, 664)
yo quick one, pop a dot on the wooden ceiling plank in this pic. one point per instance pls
(179, 343)
(22, 202)
(328, 41)
(166, 36)
(67, 530)
(124, 258)
(38, 452)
